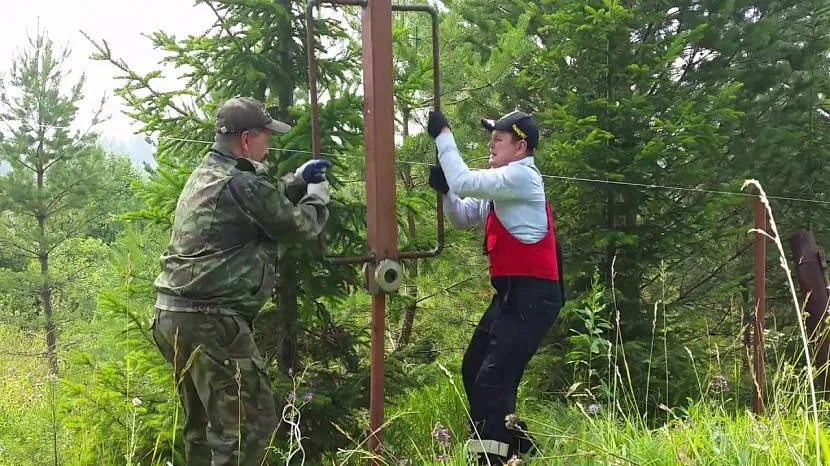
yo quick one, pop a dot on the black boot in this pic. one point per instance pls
(521, 442)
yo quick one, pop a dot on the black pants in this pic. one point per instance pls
(506, 338)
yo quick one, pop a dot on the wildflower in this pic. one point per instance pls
(718, 384)
(440, 457)
(510, 422)
(291, 372)
(307, 396)
(441, 433)
(292, 396)
(136, 402)
(594, 409)
(515, 461)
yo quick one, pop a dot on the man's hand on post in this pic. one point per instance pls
(437, 180)
(436, 123)
(313, 171)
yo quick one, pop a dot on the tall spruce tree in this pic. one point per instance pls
(49, 194)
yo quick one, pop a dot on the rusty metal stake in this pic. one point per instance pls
(379, 146)
(810, 267)
(759, 391)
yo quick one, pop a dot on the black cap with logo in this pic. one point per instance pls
(520, 124)
(243, 114)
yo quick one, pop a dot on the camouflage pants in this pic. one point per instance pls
(230, 415)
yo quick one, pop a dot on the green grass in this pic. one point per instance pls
(25, 427)
(710, 429)
(705, 433)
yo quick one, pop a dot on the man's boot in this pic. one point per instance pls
(483, 452)
(521, 442)
(495, 460)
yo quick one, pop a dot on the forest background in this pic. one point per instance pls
(653, 115)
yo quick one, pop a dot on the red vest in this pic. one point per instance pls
(510, 257)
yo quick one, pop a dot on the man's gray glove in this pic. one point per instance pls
(320, 191)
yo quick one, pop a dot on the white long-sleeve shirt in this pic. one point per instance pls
(516, 189)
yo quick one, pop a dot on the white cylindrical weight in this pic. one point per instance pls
(388, 275)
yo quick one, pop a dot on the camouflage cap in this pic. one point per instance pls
(244, 113)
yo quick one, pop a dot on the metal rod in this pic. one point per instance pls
(312, 91)
(312, 77)
(315, 112)
(421, 8)
(315, 119)
(436, 96)
(381, 215)
(376, 376)
(350, 260)
(759, 393)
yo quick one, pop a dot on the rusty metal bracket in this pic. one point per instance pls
(315, 125)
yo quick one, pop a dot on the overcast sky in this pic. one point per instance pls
(120, 22)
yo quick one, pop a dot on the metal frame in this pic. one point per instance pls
(315, 124)
(379, 147)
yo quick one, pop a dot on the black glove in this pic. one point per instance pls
(436, 122)
(437, 180)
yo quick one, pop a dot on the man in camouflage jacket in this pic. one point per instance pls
(218, 271)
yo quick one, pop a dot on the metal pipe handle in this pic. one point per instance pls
(315, 128)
